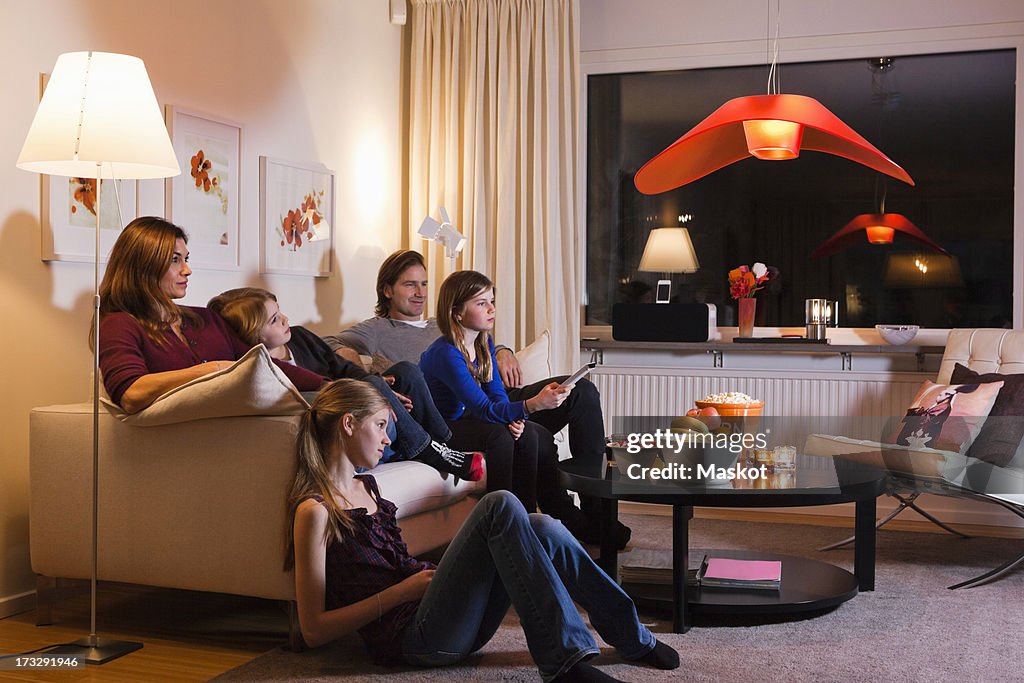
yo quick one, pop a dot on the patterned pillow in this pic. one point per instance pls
(1000, 437)
(946, 416)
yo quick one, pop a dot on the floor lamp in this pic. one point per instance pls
(98, 118)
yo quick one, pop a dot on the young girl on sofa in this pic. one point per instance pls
(353, 572)
(460, 369)
(419, 431)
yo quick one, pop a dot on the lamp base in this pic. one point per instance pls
(95, 651)
(816, 331)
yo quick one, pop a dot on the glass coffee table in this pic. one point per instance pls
(807, 585)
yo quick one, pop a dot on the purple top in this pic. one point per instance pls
(363, 565)
(127, 352)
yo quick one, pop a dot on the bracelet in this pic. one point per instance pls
(380, 608)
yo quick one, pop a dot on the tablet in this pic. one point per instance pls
(578, 375)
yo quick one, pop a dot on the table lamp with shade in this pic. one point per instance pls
(668, 250)
(98, 118)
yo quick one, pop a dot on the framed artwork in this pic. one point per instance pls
(296, 204)
(69, 216)
(204, 199)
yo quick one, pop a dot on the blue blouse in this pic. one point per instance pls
(456, 391)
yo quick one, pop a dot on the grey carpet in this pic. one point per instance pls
(911, 628)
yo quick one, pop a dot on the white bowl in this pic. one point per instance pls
(897, 335)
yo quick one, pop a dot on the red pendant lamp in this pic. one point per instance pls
(769, 127)
(880, 228)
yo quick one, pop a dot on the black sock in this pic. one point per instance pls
(467, 466)
(661, 657)
(584, 673)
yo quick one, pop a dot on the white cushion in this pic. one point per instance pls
(415, 487)
(253, 385)
(534, 360)
(922, 462)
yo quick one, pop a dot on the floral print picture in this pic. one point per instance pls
(82, 204)
(300, 225)
(204, 198)
(69, 216)
(296, 213)
(202, 168)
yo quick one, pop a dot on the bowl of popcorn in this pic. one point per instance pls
(731, 404)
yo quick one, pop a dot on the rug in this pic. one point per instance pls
(910, 628)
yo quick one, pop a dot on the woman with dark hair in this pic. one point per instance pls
(460, 369)
(149, 344)
(353, 572)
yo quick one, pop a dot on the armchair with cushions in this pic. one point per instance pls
(980, 443)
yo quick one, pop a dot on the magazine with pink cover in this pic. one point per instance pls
(743, 570)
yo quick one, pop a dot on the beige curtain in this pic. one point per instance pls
(493, 137)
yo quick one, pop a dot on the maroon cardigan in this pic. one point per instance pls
(127, 352)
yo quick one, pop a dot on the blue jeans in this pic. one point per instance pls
(503, 555)
(413, 430)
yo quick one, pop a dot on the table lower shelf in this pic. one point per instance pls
(807, 586)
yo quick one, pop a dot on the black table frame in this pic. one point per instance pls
(859, 484)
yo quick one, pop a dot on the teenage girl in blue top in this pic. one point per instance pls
(460, 370)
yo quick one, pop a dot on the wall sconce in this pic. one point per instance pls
(444, 234)
(820, 314)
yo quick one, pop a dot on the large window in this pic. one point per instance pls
(948, 119)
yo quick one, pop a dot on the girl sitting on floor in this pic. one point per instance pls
(354, 573)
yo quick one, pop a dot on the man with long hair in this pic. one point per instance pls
(399, 332)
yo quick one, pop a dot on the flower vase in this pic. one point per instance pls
(747, 306)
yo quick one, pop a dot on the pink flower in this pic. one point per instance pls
(744, 281)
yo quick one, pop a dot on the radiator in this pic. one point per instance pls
(808, 401)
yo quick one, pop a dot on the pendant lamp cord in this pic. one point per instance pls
(773, 47)
(885, 191)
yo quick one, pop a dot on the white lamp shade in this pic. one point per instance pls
(99, 107)
(669, 250)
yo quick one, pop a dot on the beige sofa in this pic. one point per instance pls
(197, 505)
(200, 504)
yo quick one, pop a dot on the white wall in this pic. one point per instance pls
(310, 80)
